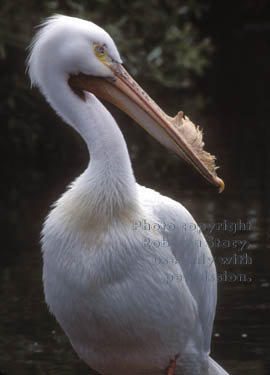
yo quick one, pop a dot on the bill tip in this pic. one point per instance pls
(221, 185)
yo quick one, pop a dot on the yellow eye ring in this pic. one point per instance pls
(101, 53)
(99, 50)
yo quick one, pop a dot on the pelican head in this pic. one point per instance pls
(71, 46)
(87, 60)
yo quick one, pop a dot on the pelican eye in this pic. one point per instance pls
(100, 50)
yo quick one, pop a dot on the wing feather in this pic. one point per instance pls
(191, 250)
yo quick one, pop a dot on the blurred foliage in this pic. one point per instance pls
(158, 39)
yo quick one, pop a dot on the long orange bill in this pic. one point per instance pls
(176, 133)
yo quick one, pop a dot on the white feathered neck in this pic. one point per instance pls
(108, 183)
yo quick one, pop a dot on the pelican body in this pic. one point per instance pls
(127, 304)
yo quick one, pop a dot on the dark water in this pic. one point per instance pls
(31, 341)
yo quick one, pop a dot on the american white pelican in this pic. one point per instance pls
(120, 267)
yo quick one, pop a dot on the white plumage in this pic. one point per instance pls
(130, 299)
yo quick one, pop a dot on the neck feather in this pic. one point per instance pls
(109, 174)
